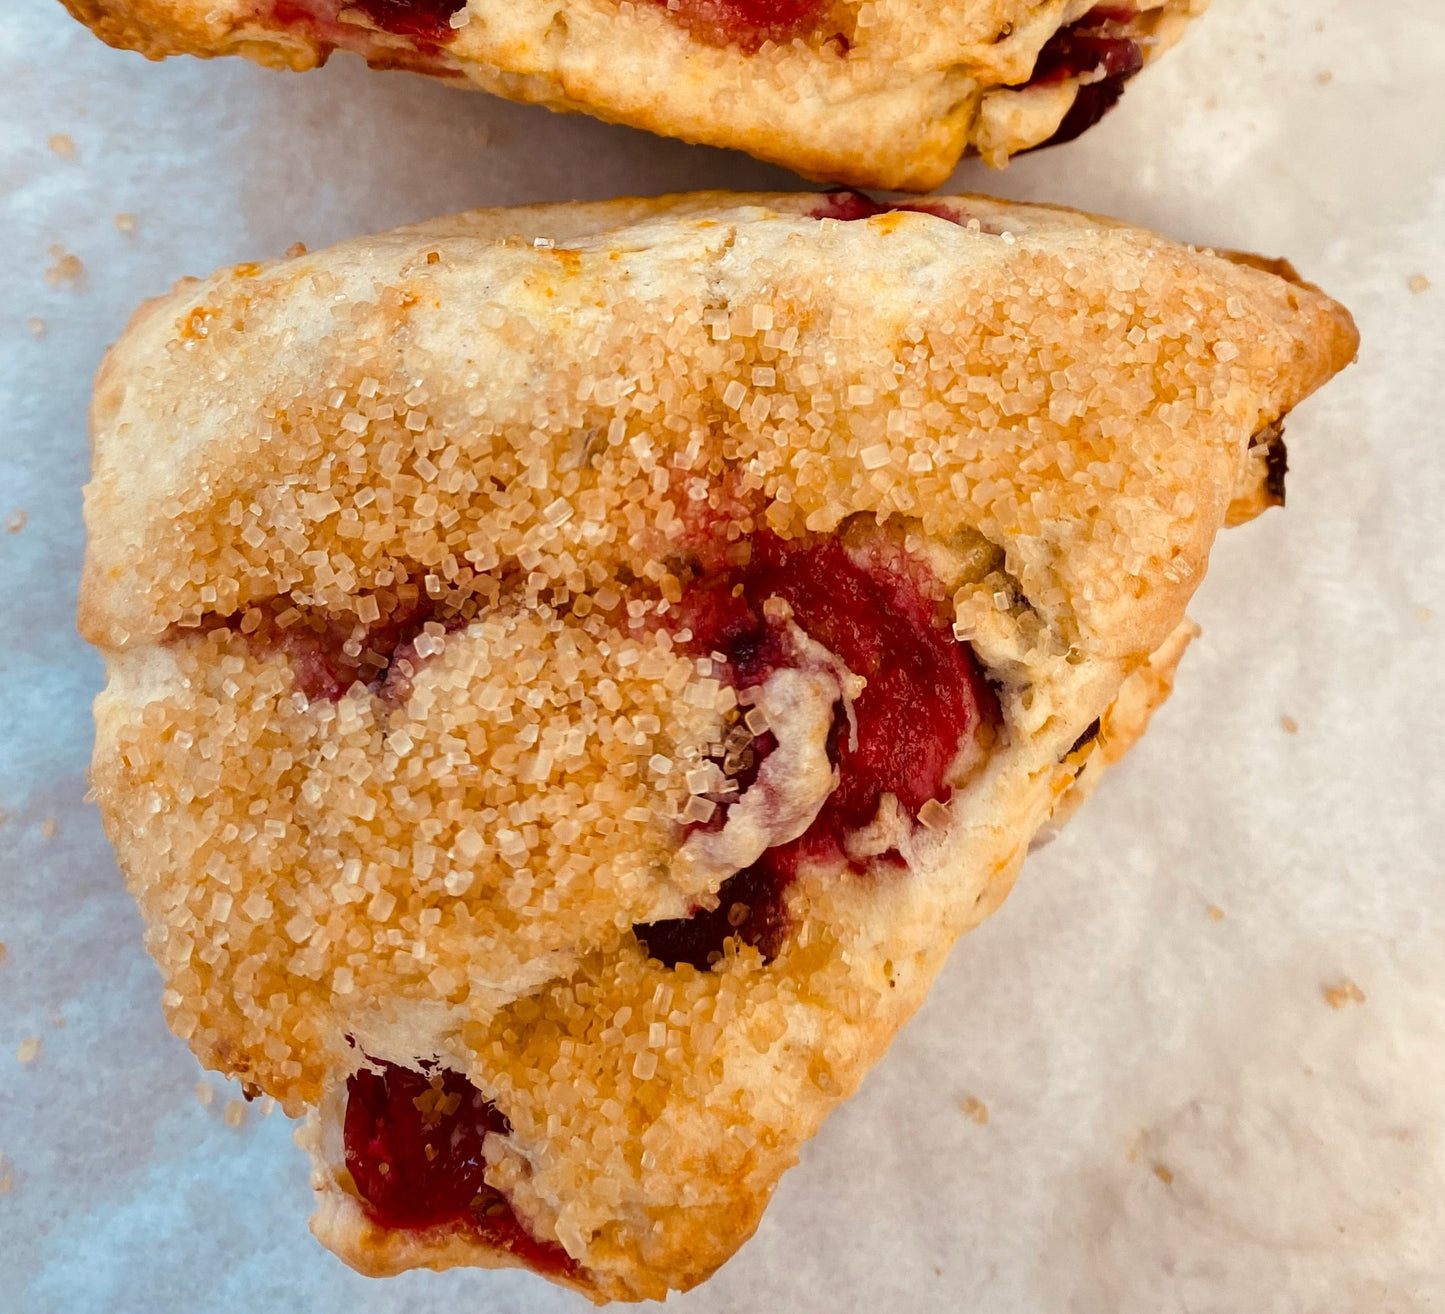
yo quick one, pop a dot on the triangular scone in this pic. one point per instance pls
(885, 94)
(746, 577)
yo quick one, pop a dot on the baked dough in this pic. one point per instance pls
(408, 558)
(884, 93)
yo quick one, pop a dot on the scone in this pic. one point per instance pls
(882, 93)
(573, 671)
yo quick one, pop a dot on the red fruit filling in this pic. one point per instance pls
(1094, 48)
(925, 698)
(425, 23)
(329, 654)
(925, 692)
(747, 24)
(849, 205)
(428, 19)
(750, 909)
(414, 1150)
(1073, 53)
(1092, 101)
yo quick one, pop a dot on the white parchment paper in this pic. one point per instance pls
(1130, 1090)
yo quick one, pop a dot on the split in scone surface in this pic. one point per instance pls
(882, 93)
(507, 457)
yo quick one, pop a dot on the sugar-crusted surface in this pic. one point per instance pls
(885, 93)
(543, 417)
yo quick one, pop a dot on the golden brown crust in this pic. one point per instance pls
(912, 88)
(540, 408)
(1120, 727)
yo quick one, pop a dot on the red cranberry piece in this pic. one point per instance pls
(414, 1145)
(924, 692)
(1086, 49)
(925, 695)
(414, 1149)
(426, 22)
(1071, 53)
(429, 20)
(747, 24)
(848, 205)
(385, 658)
(316, 664)
(725, 619)
(1092, 101)
(1101, 14)
(1276, 462)
(750, 909)
(291, 13)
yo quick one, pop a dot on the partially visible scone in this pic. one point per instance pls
(881, 93)
(573, 671)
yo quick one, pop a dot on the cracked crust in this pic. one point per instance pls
(1051, 411)
(892, 105)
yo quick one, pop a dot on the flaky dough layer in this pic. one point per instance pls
(885, 94)
(546, 409)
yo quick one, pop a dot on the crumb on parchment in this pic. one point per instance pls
(1347, 992)
(68, 269)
